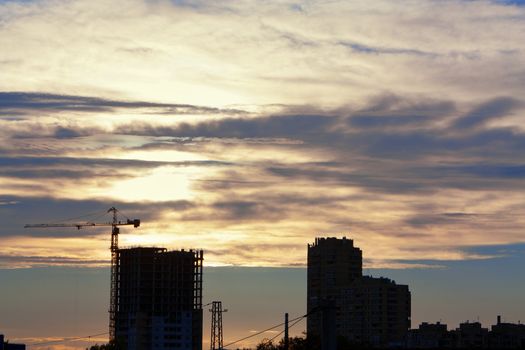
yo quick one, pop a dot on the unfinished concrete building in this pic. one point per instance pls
(159, 299)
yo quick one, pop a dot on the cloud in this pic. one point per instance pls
(246, 54)
(252, 127)
(53, 210)
(490, 110)
(410, 130)
(27, 103)
(511, 2)
(18, 261)
(387, 111)
(368, 121)
(261, 127)
(294, 174)
(384, 50)
(239, 210)
(8, 162)
(14, 130)
(494, 171)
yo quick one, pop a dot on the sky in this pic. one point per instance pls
(248, 128)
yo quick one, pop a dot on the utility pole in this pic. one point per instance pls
(216, 342)
(286, 338)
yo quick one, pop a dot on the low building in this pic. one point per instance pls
(507, 336)
(471, 335)
(428, 336)
(10, 346)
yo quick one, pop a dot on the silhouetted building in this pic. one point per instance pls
(333, 264)
(428, 336)
(10, 346)
(507, 336)
(470, 335)
(375, 311)
(366, 310)
(159, 299)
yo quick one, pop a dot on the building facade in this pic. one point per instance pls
(375, 311)
(507, 335)
(159, 299)
(361, 309)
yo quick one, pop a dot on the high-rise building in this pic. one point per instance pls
(364, 310)
(159, 299)
(333, 264)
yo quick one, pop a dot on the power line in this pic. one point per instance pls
(98, 213)
(63, 340)
(290, 326)
(261, 332)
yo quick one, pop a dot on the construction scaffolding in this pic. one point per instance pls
(159, 298)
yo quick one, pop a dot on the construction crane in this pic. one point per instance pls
(114, 255)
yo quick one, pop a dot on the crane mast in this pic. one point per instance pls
(113, 299)
(114, 294)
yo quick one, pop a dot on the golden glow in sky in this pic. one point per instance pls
(248, 129)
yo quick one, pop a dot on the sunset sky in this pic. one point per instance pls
(248, 128)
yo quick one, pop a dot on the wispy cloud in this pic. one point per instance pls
(28, 103)
(491, 110)
(422, 47)
(400, 126)
(289, 177)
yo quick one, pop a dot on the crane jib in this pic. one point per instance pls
(114, 253)
(134, 222)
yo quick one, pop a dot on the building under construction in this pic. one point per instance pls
(159, 299)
